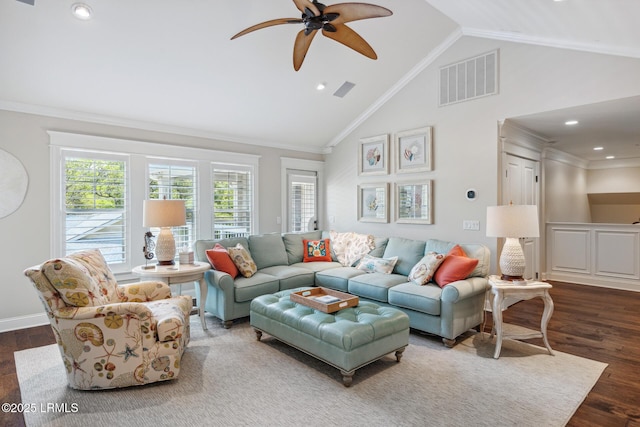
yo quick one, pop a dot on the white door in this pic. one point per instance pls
(521, 186)
(302, 201)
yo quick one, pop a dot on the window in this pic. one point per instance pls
(176, 181)
(232, 201)
(99, 184)
(95, 204)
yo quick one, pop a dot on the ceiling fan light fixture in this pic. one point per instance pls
(81, 11)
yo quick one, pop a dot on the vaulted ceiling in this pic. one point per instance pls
(170, 65)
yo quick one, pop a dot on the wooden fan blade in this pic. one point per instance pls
(350, 38)
(355, 11)
(301, 47)
(268, 24)
(306, 4)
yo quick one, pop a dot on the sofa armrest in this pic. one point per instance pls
(151, 290)
(220, 280)
(462, 289)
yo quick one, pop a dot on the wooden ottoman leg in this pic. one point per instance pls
(347, 377)
(258, 334)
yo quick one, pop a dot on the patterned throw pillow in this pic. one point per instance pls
(371, 264)
(350, 247)
(316, 250)
(423, 271)
(74, 283)
(242, 259)
(456, 266)
(220, 260)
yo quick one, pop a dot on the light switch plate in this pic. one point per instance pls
(471, 224)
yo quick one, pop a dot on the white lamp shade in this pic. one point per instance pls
(513, 221)
(163, 213)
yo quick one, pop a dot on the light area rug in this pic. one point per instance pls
(228, 378)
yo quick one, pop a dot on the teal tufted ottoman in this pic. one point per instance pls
(348, 339)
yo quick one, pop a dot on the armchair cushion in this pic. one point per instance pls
(74, 283)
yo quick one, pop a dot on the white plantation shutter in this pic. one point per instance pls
(176, 181)
(94, 204)
(302, 200)
(233, 199)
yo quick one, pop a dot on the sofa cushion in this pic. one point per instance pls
(483, 255)
(408, 251)
(242, 259)
(247, 288)
(425, 299)
(380, 243)
(316, 250)
(423, 271)
(268, 250)
(290, 277)
(220, 260)
(293, 244)
(371, 264)
(374, 286)
(337, 278)
(317, 266)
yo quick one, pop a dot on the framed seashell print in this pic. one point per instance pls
(373, 203)
(373, 155)
(413, 150)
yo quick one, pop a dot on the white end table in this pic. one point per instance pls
(177, 274)
(501, 289)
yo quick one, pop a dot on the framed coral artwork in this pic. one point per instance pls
(373, 155)
(373, 203)
(413, 150)
(414, 202)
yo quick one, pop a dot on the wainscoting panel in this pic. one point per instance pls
(594, 254)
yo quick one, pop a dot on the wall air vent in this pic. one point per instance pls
(344, 89)
(472, 78)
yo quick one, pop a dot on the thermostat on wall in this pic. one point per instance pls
(471, 194)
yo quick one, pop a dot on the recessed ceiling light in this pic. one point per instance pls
(321, 86)
(571, 122)
(610, 157)
(598, 148)
(81, 11)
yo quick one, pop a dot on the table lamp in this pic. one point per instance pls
(512, 222)
(164, 214)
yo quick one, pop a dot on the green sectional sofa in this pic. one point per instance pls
(447, 312)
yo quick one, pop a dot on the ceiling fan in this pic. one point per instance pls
(331, 20)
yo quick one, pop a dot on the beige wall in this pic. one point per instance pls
(617, 180)
(565, 189)
(25, 233)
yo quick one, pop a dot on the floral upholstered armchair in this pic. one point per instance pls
(111, 335)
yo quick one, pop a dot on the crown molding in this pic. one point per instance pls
(61, 113)
(557, 43)
(563, 157)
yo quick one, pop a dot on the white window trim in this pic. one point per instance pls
(304, 165)
(139, 153)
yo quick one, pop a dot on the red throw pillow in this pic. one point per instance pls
(316, 250)
(456, 266)
(220, 260)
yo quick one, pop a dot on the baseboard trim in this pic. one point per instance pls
(621, 284)
(23, 322)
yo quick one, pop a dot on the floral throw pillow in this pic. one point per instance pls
(350, 247)
(242, 259)
(423, 271)
(316, 250)
(371, 264)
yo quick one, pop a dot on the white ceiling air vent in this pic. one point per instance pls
(344, 89)
(472, 78)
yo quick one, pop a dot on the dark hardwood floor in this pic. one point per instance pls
(596, 323)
